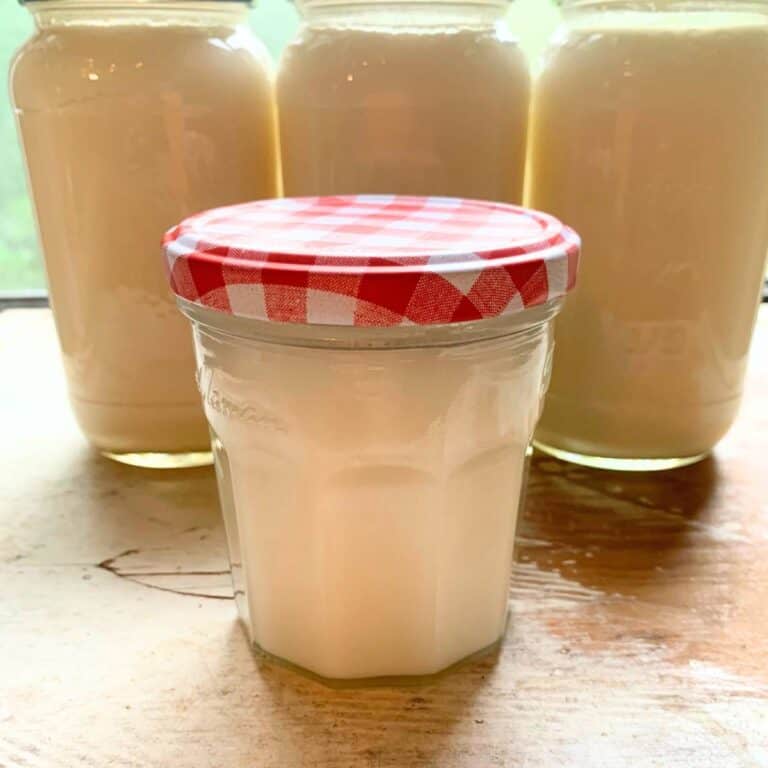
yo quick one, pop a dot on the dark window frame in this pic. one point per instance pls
(39, 298)
(23, 299)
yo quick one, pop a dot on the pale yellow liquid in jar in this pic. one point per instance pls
(127, 129)
(652, 142)
(437, 112)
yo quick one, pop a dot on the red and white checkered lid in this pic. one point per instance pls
(371, 260)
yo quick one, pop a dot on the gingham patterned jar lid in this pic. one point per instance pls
(371, 260)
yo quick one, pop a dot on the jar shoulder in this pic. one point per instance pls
(61, 64)
(331, 54)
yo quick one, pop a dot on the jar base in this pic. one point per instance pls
(183, 460)
(337, 683)
(617, 464)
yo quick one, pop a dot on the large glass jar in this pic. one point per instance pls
(133, 115)
(650, 136)
(402, 96)
(372, 370)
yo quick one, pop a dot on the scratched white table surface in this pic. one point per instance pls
(638, 634)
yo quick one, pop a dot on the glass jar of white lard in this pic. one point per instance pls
(419, 97)
(372, 369)
(133, 115)
(649, 134)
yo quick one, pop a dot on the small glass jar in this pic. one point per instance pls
(404, 96)
(133, 115)
(371, 409)
(649, 134)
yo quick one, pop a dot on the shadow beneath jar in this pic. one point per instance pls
(631, 557)
(160, 529)
(168, 494)
(385, 725)
(610, 530)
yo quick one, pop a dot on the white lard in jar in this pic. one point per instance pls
(133, 115)
(372, 369)
(650, 135)
(419, 97)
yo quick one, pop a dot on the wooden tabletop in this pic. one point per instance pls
(638, 634)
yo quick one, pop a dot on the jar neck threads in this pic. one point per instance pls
(665, 6)
(53, 13)
(403, 13)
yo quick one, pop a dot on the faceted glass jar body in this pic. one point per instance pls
(370, 482)
(132, 117)
(422, 98)
(650, 136)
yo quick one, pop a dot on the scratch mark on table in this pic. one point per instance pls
(109, 565)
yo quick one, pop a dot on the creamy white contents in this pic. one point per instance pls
(423, 111)
(375, 494)
(650, 138)
(128, 128)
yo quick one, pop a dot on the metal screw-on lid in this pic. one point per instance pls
(371, 260)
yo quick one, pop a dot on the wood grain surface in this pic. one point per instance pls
(638, 633)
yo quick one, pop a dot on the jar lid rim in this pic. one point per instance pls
(371, 259)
